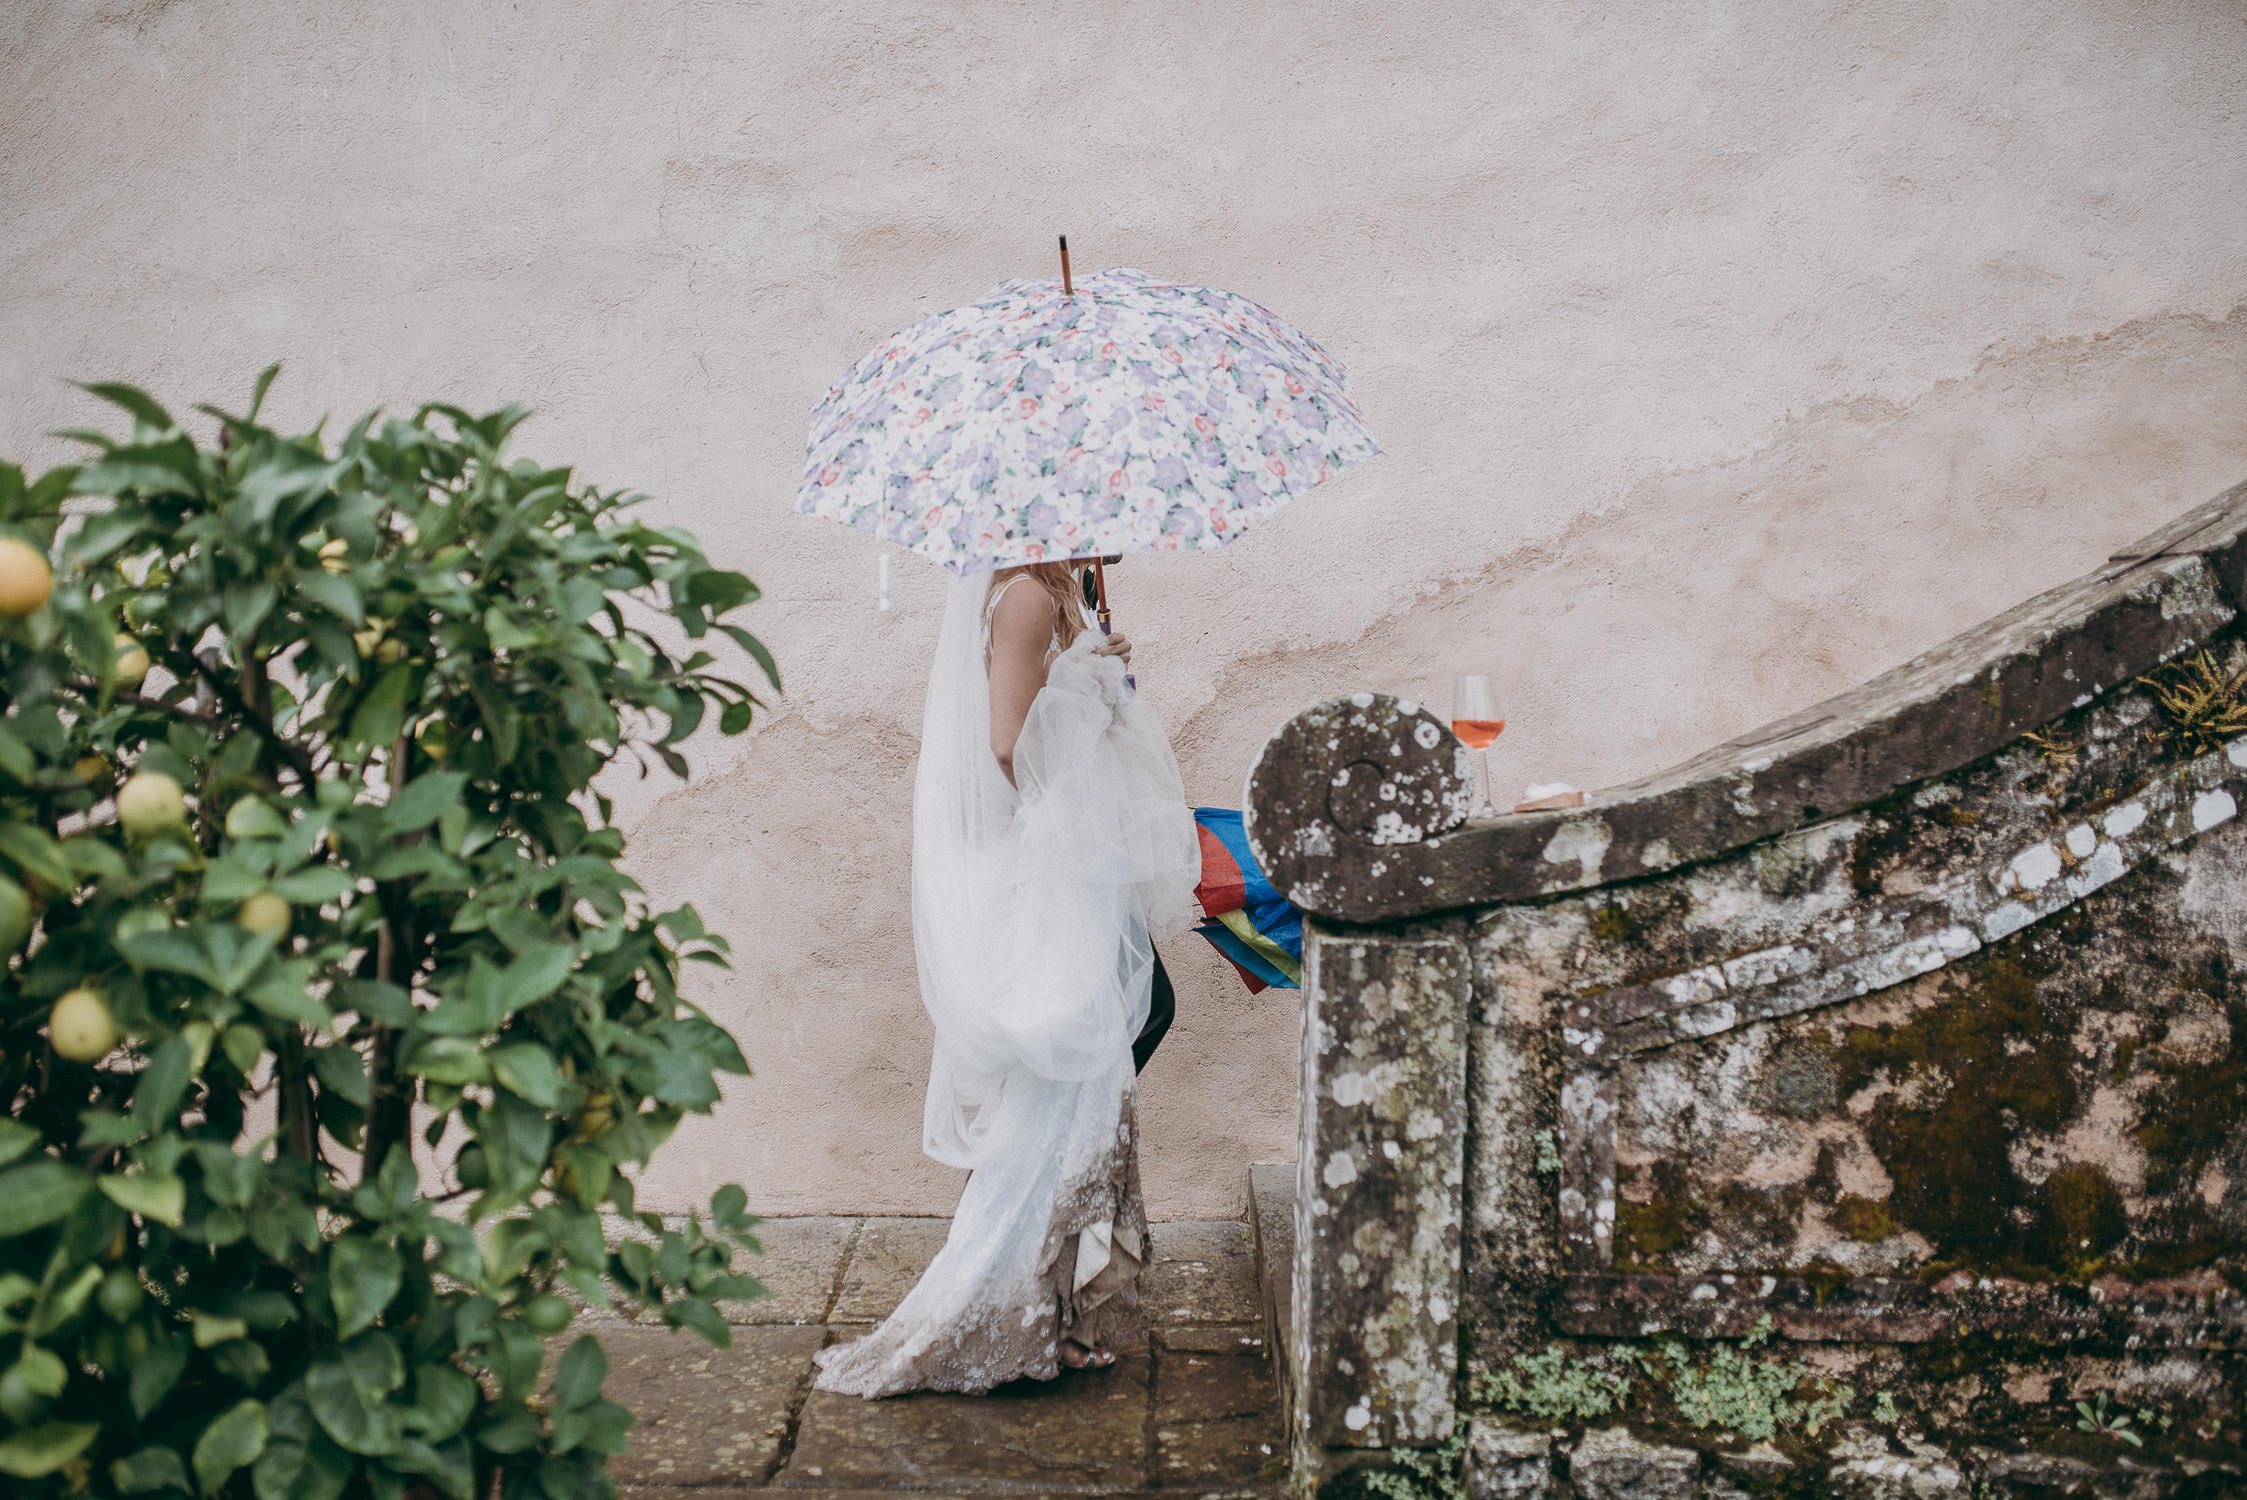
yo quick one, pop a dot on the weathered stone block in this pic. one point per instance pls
(1613, 1465)
(1373, 1340)
(1502, 1464)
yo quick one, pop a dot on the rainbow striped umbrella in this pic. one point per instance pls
(1253, 925)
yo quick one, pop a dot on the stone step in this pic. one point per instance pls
(1271, 1218)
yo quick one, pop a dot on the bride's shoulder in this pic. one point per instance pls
(1020, 611)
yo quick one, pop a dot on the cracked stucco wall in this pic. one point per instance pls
(1725, 356)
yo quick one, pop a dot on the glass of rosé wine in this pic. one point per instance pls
(1474, 718)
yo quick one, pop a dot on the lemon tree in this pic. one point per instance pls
(330, 1023)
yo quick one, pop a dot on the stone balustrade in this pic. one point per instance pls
(1902, 1033)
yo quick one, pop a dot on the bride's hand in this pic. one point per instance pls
(1115, 645)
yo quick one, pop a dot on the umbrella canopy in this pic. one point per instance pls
(1132, 415)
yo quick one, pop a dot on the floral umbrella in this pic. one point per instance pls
(1049, 421)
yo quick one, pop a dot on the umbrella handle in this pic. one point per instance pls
(1100, 590)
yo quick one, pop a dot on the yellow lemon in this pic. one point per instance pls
(81, 1028)
(150, 802)
(263, 913)
(25, 578)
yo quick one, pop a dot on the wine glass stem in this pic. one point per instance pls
(1482, 761)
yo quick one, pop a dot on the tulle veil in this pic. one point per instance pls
(1034, 903)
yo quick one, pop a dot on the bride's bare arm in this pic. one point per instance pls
(1021, 630)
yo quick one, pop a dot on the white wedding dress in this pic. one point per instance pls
(1034, 911)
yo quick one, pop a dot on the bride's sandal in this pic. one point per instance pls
(1078, 1357)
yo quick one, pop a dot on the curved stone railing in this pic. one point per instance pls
(1358, 806)
(1903, 1022)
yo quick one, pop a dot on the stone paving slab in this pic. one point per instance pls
(1202, 1275)
(1083, 1432)
(1216, 1415)
(890, 1256)
(707, 1416)
(801, 1266)
(1202, 1387)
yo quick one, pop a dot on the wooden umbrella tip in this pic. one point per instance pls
(1066, 289)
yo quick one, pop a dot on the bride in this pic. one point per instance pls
(1051, 844)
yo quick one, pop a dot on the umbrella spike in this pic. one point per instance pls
(1066, 289)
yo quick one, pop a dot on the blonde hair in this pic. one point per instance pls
(1059, 580)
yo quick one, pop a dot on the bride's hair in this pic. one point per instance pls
(1059, 580)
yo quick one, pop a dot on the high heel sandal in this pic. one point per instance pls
(1079, 1357)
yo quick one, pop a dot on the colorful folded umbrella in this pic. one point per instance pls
(1257, 929)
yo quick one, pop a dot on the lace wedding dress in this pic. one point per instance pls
(1035, 905)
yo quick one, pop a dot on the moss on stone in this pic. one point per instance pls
(1863, 1219)
(2082, 1219)
(1611, 923)
(1948, 1150)
(2199, 1105)
(1648, 1235)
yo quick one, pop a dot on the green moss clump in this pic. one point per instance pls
(1863, 1219)
(1949, 1150)
(2082, 1219)
(1611, 924)
(1648, 1234)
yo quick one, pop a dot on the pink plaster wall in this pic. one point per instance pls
(1725, 355)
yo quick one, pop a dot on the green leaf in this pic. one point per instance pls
(133, 399)
(349, 1395)
(35, 853)
(149, 1469)
(38, 1193)
(578, 1377)
(382, 711)
(300, 1462)
(41, 1370)
(450, 1059)
(15, 1139)
(539, 972)
(248, 602)
(332, 592)
(344, 1073)
(15, 757)
(506, 635)
(757, 652)
(315, 885)
(528, 1069)
(155, 1373)
(421, 801)
(163, 1083)
(286, 996)
(65, 1302)
(43, 1449)
(153, 1195)
(363, 1275)
(445, 1397)
(231, 1442)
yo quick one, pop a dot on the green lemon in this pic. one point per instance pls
(547, 1313)
(81, 1028)
(150, 802)
(263, 913)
